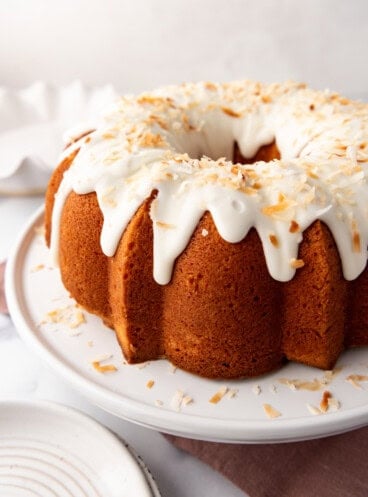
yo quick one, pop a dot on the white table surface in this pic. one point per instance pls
(24, 376)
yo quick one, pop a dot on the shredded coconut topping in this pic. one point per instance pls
(270, 411)
(70, 316)
(311, 385)
(177, 400)
(221, 392)
(356, 379)
(162, 141)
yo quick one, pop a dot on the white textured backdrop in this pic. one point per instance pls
(139, 44)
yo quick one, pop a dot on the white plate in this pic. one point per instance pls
(47, 449)
(33, 292)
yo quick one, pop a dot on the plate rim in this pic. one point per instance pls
(176, 423)
(74, 414)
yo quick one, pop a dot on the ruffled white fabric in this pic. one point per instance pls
(33, 124)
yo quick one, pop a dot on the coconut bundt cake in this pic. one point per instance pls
(222, 226)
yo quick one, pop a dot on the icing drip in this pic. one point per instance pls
(162, 141)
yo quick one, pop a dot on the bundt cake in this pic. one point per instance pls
(222, 226)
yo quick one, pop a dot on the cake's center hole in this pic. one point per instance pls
(265, 153)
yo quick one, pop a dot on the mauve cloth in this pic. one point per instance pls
(330, 467)
(3, 306)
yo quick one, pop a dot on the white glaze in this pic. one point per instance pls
(162, 140)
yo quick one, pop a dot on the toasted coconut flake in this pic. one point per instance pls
(276, 209)
(157, 119)
(230, 112)
(355, 379)
(106, 368)
(79, 319)
(295, 384)
(312, 175)
(172, 368)
(155, 101)
(273, 388)
(256, 389)
(232, 393)
(274, 240)
(187, 400)
(210, 86)
(188, 126)
(333, 404)
(270, 411)
(314, 385)
(313, 410)
(266, 99)
(70, 315)
(53, 316)
(90, 343)
(236, 169)
(294, 227)
(180, 399)
(324, 401)
(356, 242)
(166, 226)
(152, 140)
(358, 377)
(37, 268)
(150, 384)
(215, 399)
(330, 374)
(108, 136)
(297, 263)
(177, 400)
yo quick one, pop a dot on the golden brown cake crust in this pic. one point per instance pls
(136, 299)
(222, 315)
(84, 267)
(315, 302)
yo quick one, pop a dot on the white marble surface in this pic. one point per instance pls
(23, 376)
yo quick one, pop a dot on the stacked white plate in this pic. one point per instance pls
(49, 450)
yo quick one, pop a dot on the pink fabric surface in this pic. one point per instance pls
(3, 306)
(330, 467)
